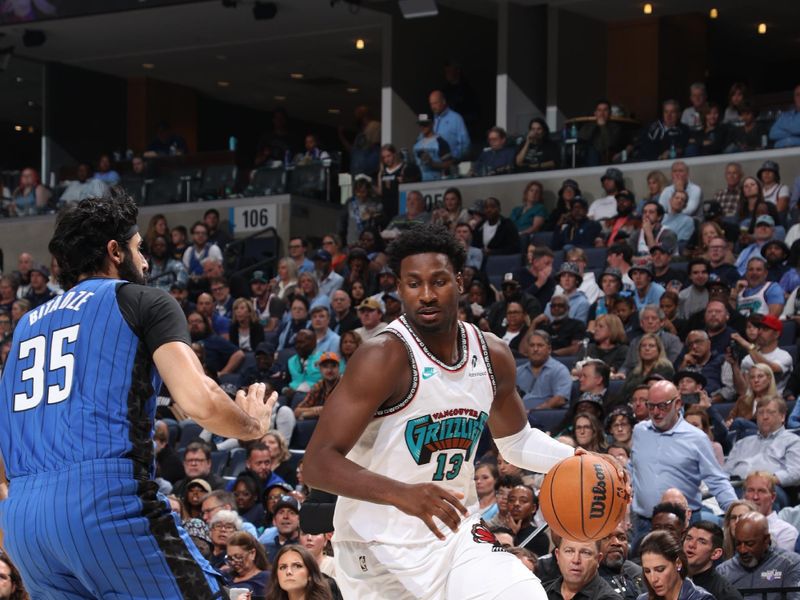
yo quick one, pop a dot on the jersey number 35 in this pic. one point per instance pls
(37, 347)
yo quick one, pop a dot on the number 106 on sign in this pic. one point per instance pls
(252, 218)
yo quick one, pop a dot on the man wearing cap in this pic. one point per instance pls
(579, 230)
(625, 224)
(653, 233)
(718, 261)
(268, 306)
(680, 181)
(327, 340)
(266, 369)
(765, 350)
(569, 278)
(677, 220)
(511, 292)
(370, 313)
(647, 292)
(287, 521)
(344, 318)
(606, 207)
(694, 298)
(772, 449)
(763, 232)
(39, 292)
(565, 332)
(757, 295)
(697, 357)
(543, 382)
(387, 283)
(785, 132)
(433, 152)
(776, 253)
(329, 280)
(730, 197)
(311, 406)
(392, 306)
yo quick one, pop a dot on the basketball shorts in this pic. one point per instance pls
(468, 565)
(93, 531)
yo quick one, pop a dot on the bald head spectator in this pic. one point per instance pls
(671, 453)
(578, 563)
(760, 489)
(343, 317)
(450, 125)
(757, 564)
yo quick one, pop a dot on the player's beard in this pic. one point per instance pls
(128, 272)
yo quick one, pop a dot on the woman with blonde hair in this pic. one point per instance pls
(651, 360)
(757, 384)
(610, 342)
(656, 182)
(286, 281)
(708, 231)
(246, 331)
(307, 283)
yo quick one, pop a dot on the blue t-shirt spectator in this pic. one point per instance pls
(553, 380)
(450, 125)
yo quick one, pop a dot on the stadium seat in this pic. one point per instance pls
(268, 181)
(567, 361)
(284, 356)
(789, 333)
(596, 258)
(497, 266)
(236, 462)
(190, 431)
(219, 181)
(174, 431)
(302, 433)
(219, 459)
(792, 349)
(542, 238)
(547, 419)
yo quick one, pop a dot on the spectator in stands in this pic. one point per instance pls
(670, 517)
(298, 247)
(394, 170)
(266, 369)
(735, 511)
(166, 143)
(619, 426)
(222, 524)
(772, 449)
(759, 561)
(625, 224)
(565, 331)
(415, 215)
(168, 463)
(311, 151)
(249, 564)
(694, 297)
(620, 256)
(246, 490)
(638, 402)
(610, 343)
(610, 287)
(665, 569)
(624, 575)
(588, 432)
(497, 158)
(785, 132)
(662, 442)
(364, 148)
(221, 293)
(22, 275)
(774, 192)
(681, 182)
(245, 332)
(753, 193)
(85, 186)
(543, 381)
(18, 310)
(578, 563)
(39, 292)
(647, 292)
(578, 230)
(298, 320)
(486, 478)
(302, 366)
(8, 292)
(370, 313)
(699, 359)
(718, 261)
(452, 213)
(709, 229)
(286, 281)
(702, 545)
(163, 270)
(757, 295)
(515, 324)
(348, 344)
(219, 324)
(603, 137)
(522, 506)
(588, 283)
(222, 357)
(536, 279)
(433, 152)
(30, 197)
(511, 292)
(749, 134)
(737, 96)
(530, 216)
(766, 350)
(197, 465)
(448, 124)
(497, 234)
(730, 198)
(677, 218)
(200, 249)
(307, 286)
(650, 359)
(664, 138)
(538, 152)
(178, 237)
(712, 137)
(653, 232)
(327, 340)
(569, 278)
(776, 253)
(698, 108)
(287, 521)
(216, 235)
(569, 189)
(669, 306)
(104, 171)
(606, 207)
(696, 414)
(311, 406)
(343, 317)
(625, 309)
(463, 233)
(362, 211)
(267, 306)
(656, 182)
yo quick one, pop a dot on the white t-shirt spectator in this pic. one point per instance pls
(778, 191)
(693, 203)
(603, 208)
(779, 357)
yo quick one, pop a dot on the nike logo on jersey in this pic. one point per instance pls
(428, 372)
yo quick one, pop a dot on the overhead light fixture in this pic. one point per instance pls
(352, 90)
(264, 11)
(415, 9)
(713, 13)
(762, 28)
(360, 44)
(148, 66)
(17, 127)
(334, 111)
(224, 84)
(31, 129)
(647, 8)
(296, 75)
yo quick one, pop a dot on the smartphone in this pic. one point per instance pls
(693, 398)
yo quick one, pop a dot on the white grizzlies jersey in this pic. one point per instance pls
(430, 436)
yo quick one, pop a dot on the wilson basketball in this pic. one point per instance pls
(583, 498)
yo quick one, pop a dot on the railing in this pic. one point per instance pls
(764, 592)
(257, 251)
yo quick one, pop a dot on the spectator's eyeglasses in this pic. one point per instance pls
(224, 527)
(232, 558)
(5, 322)
(662, 406)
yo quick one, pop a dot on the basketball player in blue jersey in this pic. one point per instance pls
(397, 438)
(77, 399)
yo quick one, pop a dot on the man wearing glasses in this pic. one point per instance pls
(668, 453)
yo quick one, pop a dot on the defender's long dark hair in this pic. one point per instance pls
(84, 230)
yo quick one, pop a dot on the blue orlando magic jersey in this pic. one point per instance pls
(79, 382)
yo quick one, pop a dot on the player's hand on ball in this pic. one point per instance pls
(255, 405)
(621, 471)
(428, 500)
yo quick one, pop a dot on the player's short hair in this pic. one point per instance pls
(672, 508)
(717, 535)
(422, 239)
(84, 230)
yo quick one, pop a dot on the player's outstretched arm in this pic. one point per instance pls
(377, 374)
(516, 440)
(206, 403)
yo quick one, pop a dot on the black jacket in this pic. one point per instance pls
(505, 240)
(716, 585)
(596, 589)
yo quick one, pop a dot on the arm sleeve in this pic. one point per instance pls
(533, 450)
(563, 385)
(153, 315)
(790, 474)
(710, 472)
(774, 294)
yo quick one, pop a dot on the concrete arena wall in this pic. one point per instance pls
(706, 171)
(290, 215)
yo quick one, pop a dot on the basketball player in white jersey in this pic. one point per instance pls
(398, 436)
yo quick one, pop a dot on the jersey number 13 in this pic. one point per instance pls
(37, 347)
